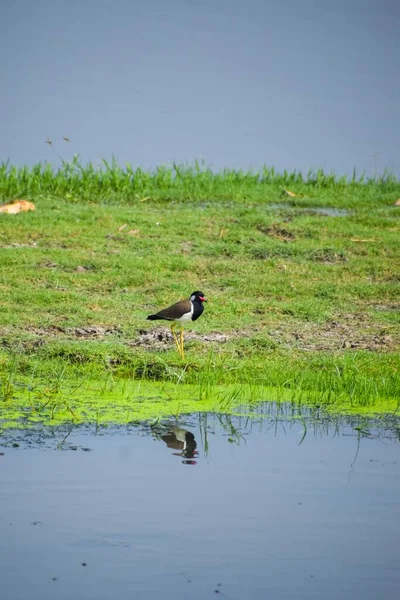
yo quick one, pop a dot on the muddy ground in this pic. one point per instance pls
(347, 331)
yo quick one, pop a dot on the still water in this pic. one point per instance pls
(236, 508)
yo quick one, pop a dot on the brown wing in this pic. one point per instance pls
(172, 442)
(175, 311)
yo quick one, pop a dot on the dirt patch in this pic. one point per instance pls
(277, 232)
(162, 338)
(88, 331)
(93, 331)
(347, 332)
(386, 307)
(48, 264)
(327, 255)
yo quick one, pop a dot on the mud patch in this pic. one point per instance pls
(87, 332)
(386, 307)
(162, 338)
(347, 332)
(327, 255)
(277, 232)
(94, 331)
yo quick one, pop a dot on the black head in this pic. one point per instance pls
(198, 296)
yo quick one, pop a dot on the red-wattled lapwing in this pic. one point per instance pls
(181, 439)
(181, 312)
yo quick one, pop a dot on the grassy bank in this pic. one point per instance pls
(303, 298)
(109, 182)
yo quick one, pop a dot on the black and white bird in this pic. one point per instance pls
(181, 312)
(181, 439)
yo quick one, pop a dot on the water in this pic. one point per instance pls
(327, 211)
(256, 510)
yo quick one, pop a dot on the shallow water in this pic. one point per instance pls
(327, 211)
(260, 508)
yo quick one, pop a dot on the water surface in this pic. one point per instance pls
(257, 508)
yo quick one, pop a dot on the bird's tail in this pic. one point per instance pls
(152, 317)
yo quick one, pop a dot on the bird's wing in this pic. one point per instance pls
(172, 442)
(175, 311)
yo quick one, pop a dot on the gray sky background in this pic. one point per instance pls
(297, 84)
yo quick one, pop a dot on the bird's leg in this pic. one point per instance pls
(175, 337)
(181, 340)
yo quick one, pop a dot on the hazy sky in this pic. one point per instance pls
(297, 84)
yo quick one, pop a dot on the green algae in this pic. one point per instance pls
(125, 402)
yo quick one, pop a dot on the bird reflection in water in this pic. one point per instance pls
(183, 440)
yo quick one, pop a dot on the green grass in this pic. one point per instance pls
(308, 302)
(109, 183)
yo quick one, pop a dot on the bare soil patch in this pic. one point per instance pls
(348, 331)
(277, 232)
(87, 331)
(161, 337)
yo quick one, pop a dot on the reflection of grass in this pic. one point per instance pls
(309, 301)
(271, 419)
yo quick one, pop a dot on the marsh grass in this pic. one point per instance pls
(307, 302)
(111, 182)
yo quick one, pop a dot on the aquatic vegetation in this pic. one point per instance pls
(128, 402)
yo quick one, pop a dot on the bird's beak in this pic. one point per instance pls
(203, 299)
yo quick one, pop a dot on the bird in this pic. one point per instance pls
(181, 312)
(49, 142)
(66, 139)
(181, 439)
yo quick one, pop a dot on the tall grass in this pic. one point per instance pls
(111, 182)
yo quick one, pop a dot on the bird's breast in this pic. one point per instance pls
(197, 310)
(185, 318)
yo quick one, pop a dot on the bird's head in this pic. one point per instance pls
(198, 296)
